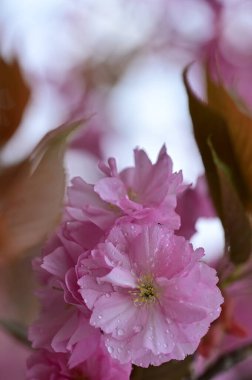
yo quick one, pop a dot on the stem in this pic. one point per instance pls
(239, 273)
(16, 330)
(225, 362)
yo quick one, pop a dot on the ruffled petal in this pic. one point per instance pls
(114, 314)
(119, 277)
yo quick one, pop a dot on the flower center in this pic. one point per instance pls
(132, 195)
(146, 291)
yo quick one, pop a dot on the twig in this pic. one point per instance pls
(225, 362)
(16, 330)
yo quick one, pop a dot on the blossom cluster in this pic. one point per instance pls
(119, 286)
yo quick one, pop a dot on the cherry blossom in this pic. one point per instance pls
(150, 293)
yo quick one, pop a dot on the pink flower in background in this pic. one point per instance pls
(63, 323)
(45, 365)
(63, 328)
(194, 203)
(145, 193)
(149, 293)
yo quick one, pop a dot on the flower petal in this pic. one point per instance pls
(114, 314)
(120, 277)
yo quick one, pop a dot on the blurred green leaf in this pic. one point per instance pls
(32, 194)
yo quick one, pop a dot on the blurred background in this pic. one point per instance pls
(119, 64)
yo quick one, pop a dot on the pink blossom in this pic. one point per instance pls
(149, 293)
(194, 203)
(63, 328)
(145, 193)
(63, 323)
(44, 365)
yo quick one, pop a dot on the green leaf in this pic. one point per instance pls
(223, 173)
(32, 194)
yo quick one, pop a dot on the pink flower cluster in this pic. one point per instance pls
(118, 286)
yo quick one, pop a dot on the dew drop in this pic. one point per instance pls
(107, 295)
(119, 349)
(120, 332)
(137, 328)
(110, 349)
(99, 317)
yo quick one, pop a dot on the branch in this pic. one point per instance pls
(16, 330)
(225, 362)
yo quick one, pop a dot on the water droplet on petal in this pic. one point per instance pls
(137, 328)
(107, 295)
(110, 349)
(99, 317)
(120, 332)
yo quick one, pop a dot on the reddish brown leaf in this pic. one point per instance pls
(235, 220)
(32, 193)
(209, 125)
(14, 95)
(239, 124)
